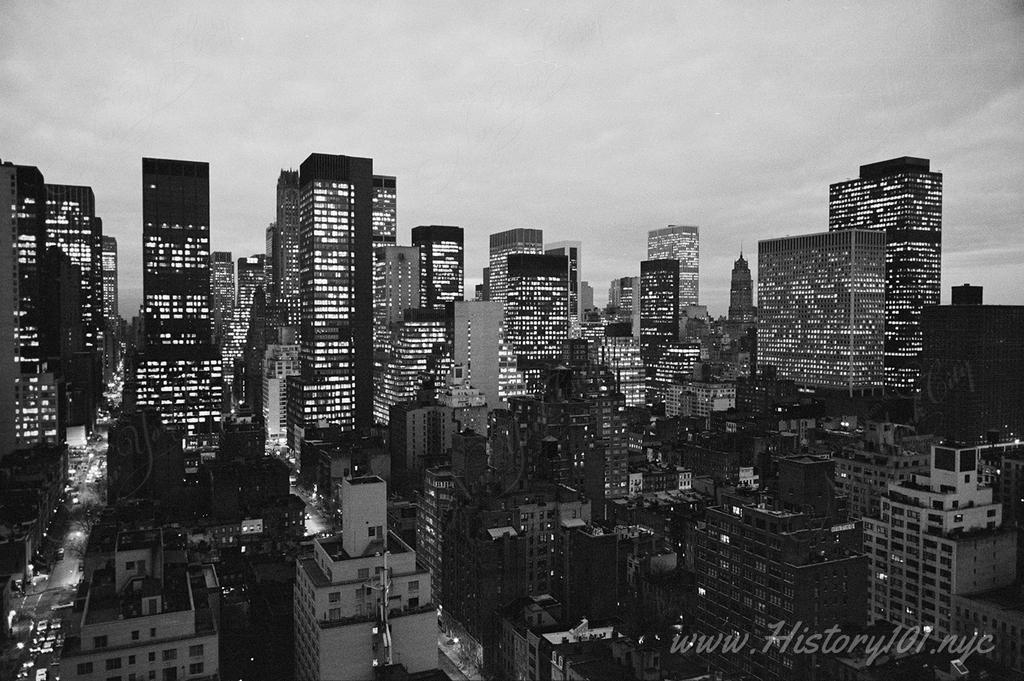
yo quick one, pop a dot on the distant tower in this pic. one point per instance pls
(441, 264)
(222, 285)
(110, 281)
(283, 249)
(572, 251)
(741, 292)
(682, 243)
(902, 198)
(502, 245)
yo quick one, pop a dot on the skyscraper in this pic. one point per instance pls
(442, 265)
(659, 306)
(72, 226)
(821, 312)
(420, 350)
(682, 243)
(110, 314)
(283, 284)
(222, 290)
(504, 244)
(336, 291)
(396, 288)
(972, 370)
(180, 371)
(902, 198)
(9, 369)
(571, 250)
(741, 293)
(481, 346)
(250, 273)
(385, 212)
(536, 305)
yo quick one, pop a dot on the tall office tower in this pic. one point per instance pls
(72, 227)
(442, 266)
(572, 251)
(433, 503)
(536, 305)
(741, 293)
(481, 346)
(502, 245)
(109, 263)
(485, 285)
(938, 536)
(361, 600)
(179, 373)
(385, 213)
(283, 284)
(682, 243)
(9, 308)
(396, 288)
(800, 538)
(250, 274)
(336, 255)
(619, 350)
(902, 198)
(280, 362)
(419, 351)
(972, 370)
(821, 315)
(586, 297)
(222, 293)
(659, 306)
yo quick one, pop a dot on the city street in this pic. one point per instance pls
(39, 630)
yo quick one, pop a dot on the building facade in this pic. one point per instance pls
(681, 243)
(442, 264)
(821, 314)
(536, 305)
(502, 245)
(902, 198)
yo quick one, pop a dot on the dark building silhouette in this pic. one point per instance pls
(283, 249)
(536, 304)
(741, 293)
(972, 370)
(334, 386)
(179, 372)
(903, 198)
(442, 264)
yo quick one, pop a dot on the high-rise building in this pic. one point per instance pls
(396, 288)
(419, 351)
(821, 314)
(901, 197)
(481, 346)
(433, 502)
(336, 264)
(586, 297)
(938, 536)
(222, 293)
(536, 305)
(502, 245)
(280, 362)
(619, 350)
(972, 370)
(362, 602)
(741, 293)
(681, 243)
(110, 314)
(659, 305)
(385, 211)
(624, 298)
(442, 264)
(9, 306)
(283, 251)
(572, 251)
(179, 373)
(72, 227)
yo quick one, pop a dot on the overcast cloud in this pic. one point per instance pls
(592, 121)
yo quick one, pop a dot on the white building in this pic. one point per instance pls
(147, 613)
(482, 348)
(361, 600)
(279, 362)
(699, 399)
(939, 535)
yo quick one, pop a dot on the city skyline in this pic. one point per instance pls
(510, 112)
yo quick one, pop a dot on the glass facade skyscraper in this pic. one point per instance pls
(110, 312)
(821, 314)
(537, 304)
(502, 245)
(682, 243)
(179, 372)
(902, 198)
(336, 291)
(385, 211)
(442, 264)
(222, 290)
(572, 250)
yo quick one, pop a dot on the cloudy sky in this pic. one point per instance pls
(592, 121)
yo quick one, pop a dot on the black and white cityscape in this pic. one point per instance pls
(589, 342)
